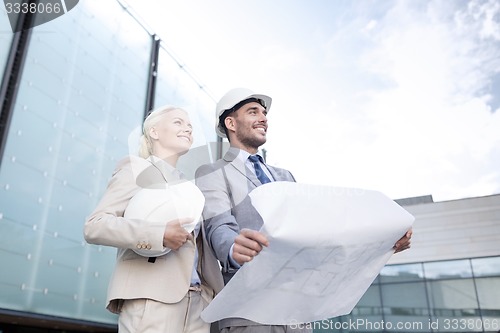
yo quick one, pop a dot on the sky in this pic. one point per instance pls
(402, 97)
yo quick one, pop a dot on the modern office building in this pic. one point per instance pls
(74, 92)
(449, 281)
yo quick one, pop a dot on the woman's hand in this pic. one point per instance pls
(175, 235)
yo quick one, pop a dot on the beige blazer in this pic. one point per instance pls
(168, 278)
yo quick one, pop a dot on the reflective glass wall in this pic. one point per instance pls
(5, 39)
(81, 97)
(444, 296)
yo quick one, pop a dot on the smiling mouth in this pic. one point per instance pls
(185, 138)
(261, 129)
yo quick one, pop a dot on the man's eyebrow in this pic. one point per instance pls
(255, 107)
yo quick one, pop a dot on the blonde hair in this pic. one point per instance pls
(153, 118)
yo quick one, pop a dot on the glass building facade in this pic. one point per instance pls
(5, 40)
(82, 95)
(81, 99)
(442, 296)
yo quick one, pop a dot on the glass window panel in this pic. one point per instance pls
(486, 266)
(448, 269)
(454, 302)
(23, 134)
(5, 38)
(16, 261)
(22, 194)
(82, 93)
(452, 294)
(405, 303)
(169, 81)
(488, 290)
(399, 296)
(401, 273)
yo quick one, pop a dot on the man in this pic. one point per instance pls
(231, 222)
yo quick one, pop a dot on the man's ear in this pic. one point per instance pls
(229, 122)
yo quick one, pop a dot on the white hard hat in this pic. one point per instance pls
(231, 99)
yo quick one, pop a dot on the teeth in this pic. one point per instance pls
(261, 129)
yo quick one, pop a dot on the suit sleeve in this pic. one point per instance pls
(220, 225)
(106, 224)
(283, 175)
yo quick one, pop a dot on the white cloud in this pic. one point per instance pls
(483, 14)
(371, 25)
(430, 131)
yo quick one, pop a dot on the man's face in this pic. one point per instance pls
(249, 126)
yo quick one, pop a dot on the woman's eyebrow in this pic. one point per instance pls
(182, 120)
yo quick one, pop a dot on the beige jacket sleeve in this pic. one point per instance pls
(106, 224)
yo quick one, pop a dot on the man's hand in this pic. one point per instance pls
(247, 245)
(404, 242)
(175, 235)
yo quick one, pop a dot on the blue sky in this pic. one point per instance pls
(402, 97)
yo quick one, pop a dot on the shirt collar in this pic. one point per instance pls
(165, 166)
(243, 156)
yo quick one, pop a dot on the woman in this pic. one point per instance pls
(163, 278)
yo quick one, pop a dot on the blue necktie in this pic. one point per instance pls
(258, 170)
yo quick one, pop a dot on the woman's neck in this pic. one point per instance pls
(170, 159)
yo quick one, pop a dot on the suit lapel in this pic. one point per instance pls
(281, 174)
(276, 175)
(232, 158)
(170, 176)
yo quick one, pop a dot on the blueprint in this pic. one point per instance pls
(327, 245)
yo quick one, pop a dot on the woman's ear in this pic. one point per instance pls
(153, 134)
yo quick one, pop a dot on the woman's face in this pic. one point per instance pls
(172, 135)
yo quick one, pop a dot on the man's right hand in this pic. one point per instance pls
(247, 245)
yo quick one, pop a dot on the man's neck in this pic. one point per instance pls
(250, 150)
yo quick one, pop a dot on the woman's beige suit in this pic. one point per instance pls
(165, 279)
